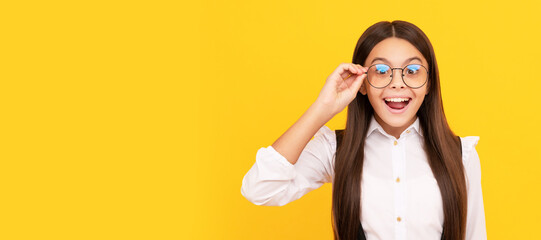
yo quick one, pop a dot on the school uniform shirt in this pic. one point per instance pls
(400, 197)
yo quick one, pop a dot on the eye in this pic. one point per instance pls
(412, 69)
(382, 69)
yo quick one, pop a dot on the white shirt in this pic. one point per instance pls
(410, 208)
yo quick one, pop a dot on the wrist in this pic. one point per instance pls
(322, 111)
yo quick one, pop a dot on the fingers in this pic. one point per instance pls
(358, 82)
(361, 68)
(347, 69)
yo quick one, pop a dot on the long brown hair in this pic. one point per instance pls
(441, 144)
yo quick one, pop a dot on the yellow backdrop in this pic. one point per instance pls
(139, 119)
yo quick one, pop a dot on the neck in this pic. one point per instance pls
(394, 131)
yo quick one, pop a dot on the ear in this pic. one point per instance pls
(363, 87)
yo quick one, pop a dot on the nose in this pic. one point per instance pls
(396, 79)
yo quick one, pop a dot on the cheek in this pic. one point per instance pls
(375, 98)
(420, 98)
(420, 95)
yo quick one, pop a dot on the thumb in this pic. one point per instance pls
(356, 85)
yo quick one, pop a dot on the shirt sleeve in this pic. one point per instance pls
(475, 223)
(274, 181)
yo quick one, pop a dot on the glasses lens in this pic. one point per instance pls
(379, 75)
(415, 75)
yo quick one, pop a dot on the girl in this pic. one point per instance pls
(398, 171)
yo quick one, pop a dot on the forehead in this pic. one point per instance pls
(396, 51)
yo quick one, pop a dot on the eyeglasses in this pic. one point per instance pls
(413, 75)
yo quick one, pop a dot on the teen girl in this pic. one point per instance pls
(398, 171)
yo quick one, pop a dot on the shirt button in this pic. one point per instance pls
(407, 131)
(397, 179)
(395, 142)
(398, 219)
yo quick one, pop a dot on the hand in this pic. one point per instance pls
(341, 87)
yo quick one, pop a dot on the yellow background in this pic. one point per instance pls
(139, 119)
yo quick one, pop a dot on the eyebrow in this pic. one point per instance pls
(387, 61)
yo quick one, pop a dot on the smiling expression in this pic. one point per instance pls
(397, 53)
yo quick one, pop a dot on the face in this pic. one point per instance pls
(395, 52)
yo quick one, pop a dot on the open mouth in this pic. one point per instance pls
(397, 105)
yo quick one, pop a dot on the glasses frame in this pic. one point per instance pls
(402, 73)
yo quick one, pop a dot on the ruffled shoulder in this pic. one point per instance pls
(468, 146)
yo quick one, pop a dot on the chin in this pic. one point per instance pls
(396, 121)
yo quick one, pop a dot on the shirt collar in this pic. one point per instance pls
(375, 125)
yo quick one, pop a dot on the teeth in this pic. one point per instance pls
(396, 99)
